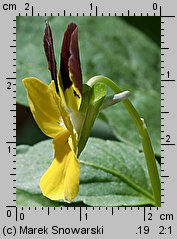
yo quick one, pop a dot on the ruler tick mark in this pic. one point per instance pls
(32, 10)
(168, 16)
(80, 214)
(168, 144)
(144, 214)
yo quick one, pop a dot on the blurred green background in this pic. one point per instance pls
(133, 45)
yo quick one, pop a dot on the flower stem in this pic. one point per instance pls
(146, 142)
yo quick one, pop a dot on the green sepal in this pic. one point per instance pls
(92, 102)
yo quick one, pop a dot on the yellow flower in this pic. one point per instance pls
(65, 113)
(54, 108)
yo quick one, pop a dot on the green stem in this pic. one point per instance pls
(146, 142)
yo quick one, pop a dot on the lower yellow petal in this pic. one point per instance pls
(61, 180)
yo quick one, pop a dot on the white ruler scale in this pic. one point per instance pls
(99, 222)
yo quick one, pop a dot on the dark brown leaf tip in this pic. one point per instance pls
(49, 51)
(70, 61)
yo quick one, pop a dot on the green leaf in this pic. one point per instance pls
(29, 200)
(108, 46)
(148, 106)
(112, 174)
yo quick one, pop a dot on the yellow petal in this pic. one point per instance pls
(61, 101)
(61, 180)
(43, 106)
(73, 98)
